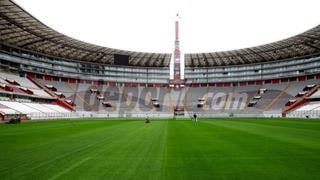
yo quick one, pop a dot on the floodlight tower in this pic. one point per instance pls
(177, 80)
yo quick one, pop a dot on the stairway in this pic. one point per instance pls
(59, 101)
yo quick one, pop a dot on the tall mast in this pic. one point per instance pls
(177, 81)
(177, 75)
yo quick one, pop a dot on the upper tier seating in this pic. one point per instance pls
(24, 83)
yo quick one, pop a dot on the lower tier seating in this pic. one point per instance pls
(35, 110)
(216, 101)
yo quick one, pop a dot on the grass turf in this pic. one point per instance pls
(211, 149)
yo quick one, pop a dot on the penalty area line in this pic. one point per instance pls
(69, 168)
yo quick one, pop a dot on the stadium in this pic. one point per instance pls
(240, 114)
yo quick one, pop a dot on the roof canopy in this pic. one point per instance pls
(21, 30)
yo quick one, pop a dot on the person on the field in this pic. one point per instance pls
(147, 120)
(195, 118)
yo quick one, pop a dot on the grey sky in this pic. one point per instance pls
(148, 25)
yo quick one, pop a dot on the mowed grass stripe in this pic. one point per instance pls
(28, 143)
(272, 153)
(120, 140)
(52, 150)
(209, 152)
(215, 149)
(186, 157)
(52, 131)
(219, 152)
(69, 168)
(105, 139)
(140, 156)
(308, 124)
(305, 137)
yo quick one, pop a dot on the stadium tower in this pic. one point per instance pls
(177, 80)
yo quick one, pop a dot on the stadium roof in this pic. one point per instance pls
(21, 30)
(305, 44)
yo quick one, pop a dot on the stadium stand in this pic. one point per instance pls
(217, 101)
(310, 103)
(90, 99)
(20, 96)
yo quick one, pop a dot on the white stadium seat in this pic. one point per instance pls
(35, 110)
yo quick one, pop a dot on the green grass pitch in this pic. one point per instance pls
(164, 149)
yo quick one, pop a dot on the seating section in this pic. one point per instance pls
(35, 110)
(56, 108)
(22, 86)
(217, 101)
(311, 109)
(24, 82)
(62, 87)
(40, 92)
(132, 101)
(310, 106)
(6, 110)
(316, 95)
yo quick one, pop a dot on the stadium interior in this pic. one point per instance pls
(94, 112)
(48, 75)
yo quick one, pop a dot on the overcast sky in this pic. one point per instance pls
(148, 25)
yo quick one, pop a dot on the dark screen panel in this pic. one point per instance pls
(121, 59)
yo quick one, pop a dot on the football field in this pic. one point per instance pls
(164, 149)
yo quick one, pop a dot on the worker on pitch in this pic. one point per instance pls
(195, 117)
(147, 120)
